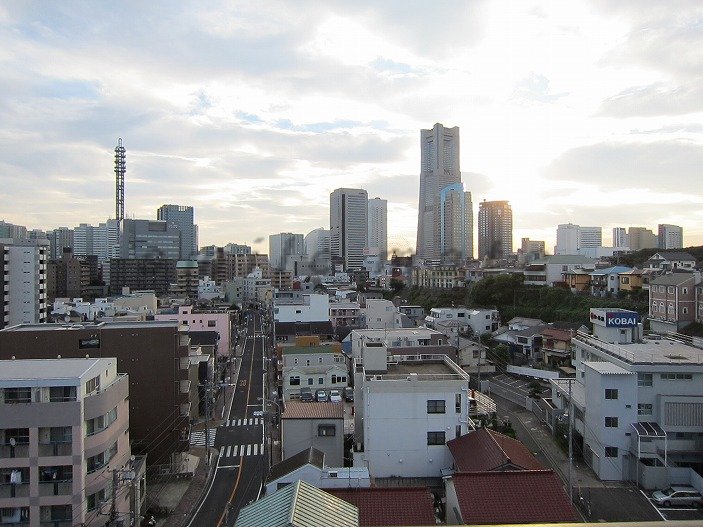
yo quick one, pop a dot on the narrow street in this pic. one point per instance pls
(241, 463)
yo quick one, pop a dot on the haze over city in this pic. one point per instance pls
(587, 112)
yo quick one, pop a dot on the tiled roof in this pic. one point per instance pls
(485, 450)
(301, 410)
(674, 278)
(390, 506)
(526, 496)
(672, 255)
(309, 456)
(556, 333)
(323, 328)
(312, 349)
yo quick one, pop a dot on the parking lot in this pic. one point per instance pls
(676, 513)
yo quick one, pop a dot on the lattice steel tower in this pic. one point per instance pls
(120, 169)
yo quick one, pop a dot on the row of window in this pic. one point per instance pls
(670, 290)
(337, 359)
(23, 394)
(646, 379)
(100, 423)
(438, 406)
(294, 380)
(98, 461)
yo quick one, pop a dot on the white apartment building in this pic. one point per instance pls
(64, 427)
(344, 313)
(670, 236)
(400, 341)
(380, 314)
(314, 366)
(283, 245)
(255, 285)
(454, 320)
(571, 238)
(407, 408)
(23, 274)
(638, 400)
(377, 238)
(549, 270)
(310, 308)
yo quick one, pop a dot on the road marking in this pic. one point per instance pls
(228, 466)
(248, 450)
(256, 449)
(197, 437)
(652, 504)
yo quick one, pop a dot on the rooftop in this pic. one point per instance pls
(301, 410)
(48, 369)
(652, 350)
(381, 506)
(674, 279)
(315, 348)
(430, 367)
(608, 368)
(309, 456)
(487, 450)
(98, 325)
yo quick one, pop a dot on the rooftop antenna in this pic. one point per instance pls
(120, 169)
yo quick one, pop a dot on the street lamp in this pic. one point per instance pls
(270, 435)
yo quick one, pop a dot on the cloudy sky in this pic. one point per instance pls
(583, 111)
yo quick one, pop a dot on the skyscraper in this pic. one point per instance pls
(283, 245)
(378, 227)
(349, 209)
(439, 168)
(149, 239)
(183, 217)
(590, 237)
(23, 268)
(641, 238)
(620, 237)
(495, 229)
(456, 224)
(670, 236)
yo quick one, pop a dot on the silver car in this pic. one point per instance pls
(678, 495)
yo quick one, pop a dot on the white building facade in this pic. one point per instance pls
(377, 239)
(23, 273)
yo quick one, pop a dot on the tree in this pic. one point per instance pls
(396, 285)
(535, 389)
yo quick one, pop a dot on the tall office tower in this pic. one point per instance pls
(641, 238)
(670, 236)
(317, 244)
(120, 169)
(10, 230)
(83, 240)
(149, 239)
(59, 239)
(495, 229)
(349, 210)
(283, 245)
(620, 237)
(456, 224)
(567, 239)
(23, 271)
(182, 216)
(590, 237)
(439, 169)
(377, 236)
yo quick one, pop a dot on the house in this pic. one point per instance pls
(298, 505)
(385, 506)
(524, 343)
(318, 425)
(309, 466)
(548, 271)
(312, 365)
(556, 346)
(453, 320)
(577, 280)
(299, 307)
(288, 332)
(400, 341)
(509, 497)
(486, 450)
(672, 301)
(630, 280)
(607, 281)
(668, 261)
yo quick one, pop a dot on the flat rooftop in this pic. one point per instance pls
(48, 369)
(578, 393)
(420, 369)
(99, 325)
(660, 350)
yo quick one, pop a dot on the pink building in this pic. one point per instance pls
(203, 320)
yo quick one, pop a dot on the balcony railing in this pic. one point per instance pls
(56, 488)
(9, 451)
(55, 449)
(14, 490)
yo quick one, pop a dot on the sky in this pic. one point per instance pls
(588, 112)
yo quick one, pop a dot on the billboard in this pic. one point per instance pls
(621, 319)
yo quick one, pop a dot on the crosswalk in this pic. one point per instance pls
(257, 449)
(252, 421)
(197, 437)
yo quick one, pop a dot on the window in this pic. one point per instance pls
(457, 403)
(319, 360)
(677, 376)
(295, 380)
(423, 342)
(644, 409)
(671, 290)
(310, 381)
(475, 354)
(326, 430)
(58, 394)
(457, 431)
(20, 435)
(684, 291)
(211, 323)
(88, 344)
(654, 306)
(611, 451)
(684, 311)
(611, 422)
(644, 379)
(435, 438)
(611, 393)
(321, 380)
(435, 406)
(92, 385)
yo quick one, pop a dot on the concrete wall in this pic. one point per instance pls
(299, 434)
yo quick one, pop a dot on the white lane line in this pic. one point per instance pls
(256, 450)
(652, 504)
(229, 451)
(228, 466)
(248, 450)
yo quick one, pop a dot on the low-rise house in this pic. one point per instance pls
(486, 451)
(454, 320)
(577, 280)
(472, 358)
(384, 506)
(607, 281)
(548, 271)
(345, 313)
(526, 496)
(672, 301)
(556, 346)
(288, 332)
(630, 280)
(309, 466)
(312, 365)
(318, 425)
(668, 261)
(414, 313)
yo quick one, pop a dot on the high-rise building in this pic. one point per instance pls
(670, 236)
(59, 239)
(23, 271)
(149, 239)
(102, 241)
(495, 230)
(590, 237)
(567, 239)
(349, 209)
(182, 216)
(67, 277)
(456, 224)
(439, 169)
(534, 248)
(378, 227)
(9, 230)
(283, 245)
(620, 237)
(641, 238)
(317, 244)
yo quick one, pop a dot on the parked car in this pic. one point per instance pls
(321, 396)
(349, 394)
(306, 395)
(335, 396)
(678, 495)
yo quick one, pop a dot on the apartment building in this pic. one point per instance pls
(312, 365)
(438, 276)
(64, 441)
(637, 399)
(217, 320)
(454, 320)
(23, 275)
(153, 354)
(292, 306)
(400, 341)
(672, 301)
(550, 270)
(345, 313)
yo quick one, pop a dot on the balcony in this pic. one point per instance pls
(56, 488)
(56, 448)
(9, 451)
(14, 490)
(184, 386)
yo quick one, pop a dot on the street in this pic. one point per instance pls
(241, 463)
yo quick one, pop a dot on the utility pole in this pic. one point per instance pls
(571, 447)
(115, 484)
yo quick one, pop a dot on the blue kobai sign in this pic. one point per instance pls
(622, 319)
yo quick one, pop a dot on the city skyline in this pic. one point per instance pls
(585, 114)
